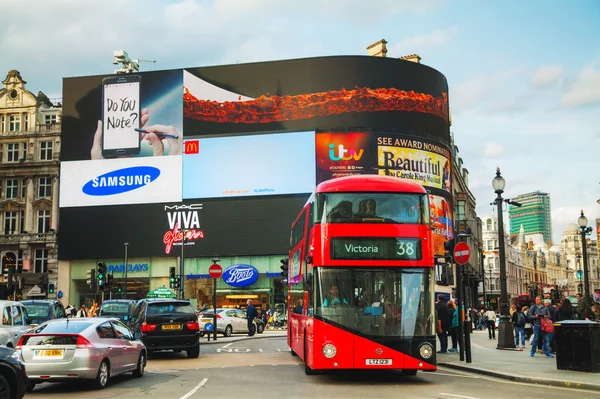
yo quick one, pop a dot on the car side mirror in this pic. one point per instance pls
(137, 336)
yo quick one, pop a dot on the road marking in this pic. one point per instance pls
(193, 391)
(225, 346)
(458, 396)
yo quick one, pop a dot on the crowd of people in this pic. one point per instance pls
(83, 311)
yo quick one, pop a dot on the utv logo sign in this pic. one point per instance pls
(240, 275)
(121, 181)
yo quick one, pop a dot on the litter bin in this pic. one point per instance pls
(577, 344)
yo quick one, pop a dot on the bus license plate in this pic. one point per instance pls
(378, 362)
(171, 327)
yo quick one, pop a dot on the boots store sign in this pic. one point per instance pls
(184, 225)
(240, 275)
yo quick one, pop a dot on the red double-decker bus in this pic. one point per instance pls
(361, 277)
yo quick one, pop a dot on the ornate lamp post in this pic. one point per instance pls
(506, 338)
(585, 230)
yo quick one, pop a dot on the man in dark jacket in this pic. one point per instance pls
(444, 319)
(251, 314)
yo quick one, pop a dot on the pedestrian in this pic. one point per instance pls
(537, 313)
(513, 309)
(251, 314)
(453, 314)
(528, 325)
(581, 311)
(82, 312)
(482, 320)
(566, 311)
(595, 314)
(267, 317)
(443, 323)
(491, 322)
(553, 316)
(519, 319)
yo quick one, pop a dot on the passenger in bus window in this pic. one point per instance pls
(333, 299)
(299, 307)
(343, 210)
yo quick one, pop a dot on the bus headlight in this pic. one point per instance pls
(426, 350)
(329, 351)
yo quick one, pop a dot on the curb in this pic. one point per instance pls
(528, 380)
(262, 336)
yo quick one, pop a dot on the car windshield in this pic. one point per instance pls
(64, 326)
(114, 308)
(169, 308)
(38, 313)
(381, 302)
(373, 208)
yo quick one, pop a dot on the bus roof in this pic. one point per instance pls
(372, 183)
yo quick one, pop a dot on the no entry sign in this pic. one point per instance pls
(462, 252)
(215, 270)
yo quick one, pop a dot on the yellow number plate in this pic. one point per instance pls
(171, 327)
(206, 320)
(48, 353)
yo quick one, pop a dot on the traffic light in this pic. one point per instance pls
(109, 282)
(177, 282)
(101, 275)
(579, 274)
(51, 288)
(171, 277)
(284, 267)
(119, 290)
(91, 279)
(449, 249)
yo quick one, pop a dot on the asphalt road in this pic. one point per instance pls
(264, 368)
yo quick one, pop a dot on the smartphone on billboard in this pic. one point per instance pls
(121, 114)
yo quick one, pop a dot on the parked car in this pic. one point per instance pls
(14, 323)
(121, 308)
(40, 311)
(167, 324)
(94, 348)
(229, 321)
(13, 379)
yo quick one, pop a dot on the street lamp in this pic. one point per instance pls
(585, 230)
(506, 338)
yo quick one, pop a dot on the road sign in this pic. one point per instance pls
(208, 327)
(215, 270)
(462, 252)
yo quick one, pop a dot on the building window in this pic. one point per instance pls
(23, 188)
(11, 188)
(45, 150)
(10, 222)
(50, 119)
(40, 262)
(22, 221)
(44, 187)
(2, 124)
(14, 123)
(12, 152)
(460, 210)
(26, 122)
(43, 221)
(489, 224)
(24, 145)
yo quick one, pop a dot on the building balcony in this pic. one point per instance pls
(54, 128)
(26, 238)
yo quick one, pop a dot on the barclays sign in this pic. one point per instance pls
(240, 275)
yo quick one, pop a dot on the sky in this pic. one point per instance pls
(524, 76)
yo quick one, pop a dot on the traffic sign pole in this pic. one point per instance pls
(215, 272)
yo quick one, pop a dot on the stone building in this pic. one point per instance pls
(29, 169)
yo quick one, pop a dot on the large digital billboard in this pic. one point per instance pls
(227, 155)
(267, 164)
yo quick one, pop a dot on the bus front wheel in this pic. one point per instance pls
(409, 373)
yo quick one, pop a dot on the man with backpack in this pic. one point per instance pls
(519, 320)
(537, 314)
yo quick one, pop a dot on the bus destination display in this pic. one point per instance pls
(372, 248)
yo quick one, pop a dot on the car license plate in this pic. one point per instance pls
(171, 326)
(378, 362)
(48, 353)
(206, 320)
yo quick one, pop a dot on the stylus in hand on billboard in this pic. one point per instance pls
(160, 134)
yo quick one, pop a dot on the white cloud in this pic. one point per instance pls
(416, 44)
(585, 90)
(474, 92)
(493, 150)
(547, 76)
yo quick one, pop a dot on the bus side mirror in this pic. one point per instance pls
(308, 282)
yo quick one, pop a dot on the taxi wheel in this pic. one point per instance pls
(102, 377)
(228, 331)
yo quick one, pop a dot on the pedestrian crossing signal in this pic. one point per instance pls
(284, 267)
(51, 288)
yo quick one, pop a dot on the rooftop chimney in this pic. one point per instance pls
(378, 49)
(412, 58)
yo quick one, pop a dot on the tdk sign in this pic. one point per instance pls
(121, 181)
(240, 275)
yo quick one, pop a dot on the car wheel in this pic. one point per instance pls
(228, 331)
(102, 377)
(30, 387)
(5, 392)
(260, 328)
(139, 371)
(194, 352)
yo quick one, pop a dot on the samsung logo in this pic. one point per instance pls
(121, 181)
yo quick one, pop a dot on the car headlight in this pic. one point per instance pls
(329, 350)
(426, 350)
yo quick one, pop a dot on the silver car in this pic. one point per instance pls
(87, 348)
(229, 321)
(14, 322)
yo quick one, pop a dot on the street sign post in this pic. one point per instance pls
(462, 252)
(215, 272)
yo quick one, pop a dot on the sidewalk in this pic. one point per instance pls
(516, 365)
(242, 337)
